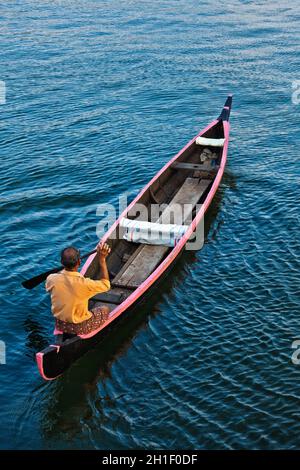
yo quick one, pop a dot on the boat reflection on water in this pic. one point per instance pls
(36, 336)
(82, 391)
(213, 221)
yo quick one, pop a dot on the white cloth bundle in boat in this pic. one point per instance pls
(152, 233)
(210, 142)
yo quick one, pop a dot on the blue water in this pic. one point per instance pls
(99, 95)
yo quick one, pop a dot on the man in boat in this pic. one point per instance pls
(70, 292)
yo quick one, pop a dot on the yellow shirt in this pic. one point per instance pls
(70, 292)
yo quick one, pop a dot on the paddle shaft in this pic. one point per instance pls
(36, 280)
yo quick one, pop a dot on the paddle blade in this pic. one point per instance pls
(35, 281)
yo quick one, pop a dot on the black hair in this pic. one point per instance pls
(70, 257)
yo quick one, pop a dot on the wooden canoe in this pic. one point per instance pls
(136, 268)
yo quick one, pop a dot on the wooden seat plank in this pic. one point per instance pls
(187, 197)
(206, 166)
(147, 257)
(142, 266)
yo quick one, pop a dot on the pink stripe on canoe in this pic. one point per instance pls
(39, 359)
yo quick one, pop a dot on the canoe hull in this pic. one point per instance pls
(55, 359)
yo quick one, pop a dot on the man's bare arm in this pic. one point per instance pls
(103, 251)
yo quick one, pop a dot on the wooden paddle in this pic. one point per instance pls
(36, 280)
